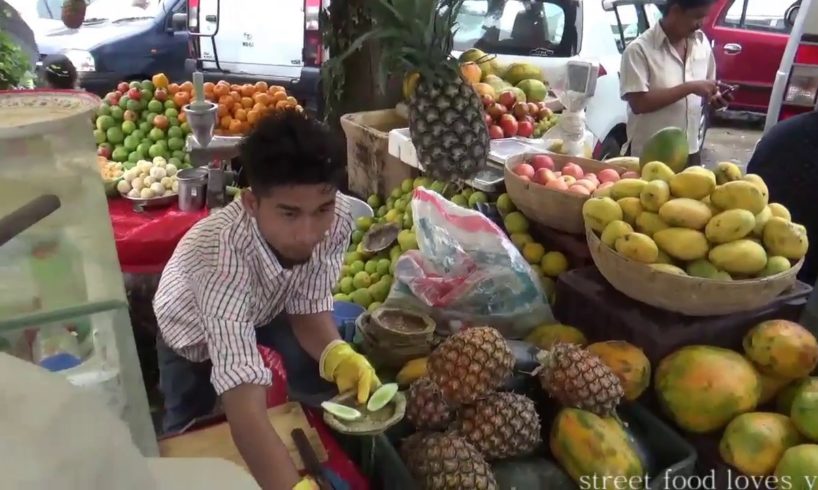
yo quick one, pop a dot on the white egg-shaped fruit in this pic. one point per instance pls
(137, 184)
(144, 167)
(146, 193)
(159, 161)
(133, 193)
(158, 172)
(171, 169)
(167, 182)
(123, 187)
(129, 175)
(175, 186)
(148, 180)
(157, 188)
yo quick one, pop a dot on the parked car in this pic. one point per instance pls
(748, 39)
(123, 40)
(274, 41)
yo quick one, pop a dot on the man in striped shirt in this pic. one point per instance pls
(260, 271)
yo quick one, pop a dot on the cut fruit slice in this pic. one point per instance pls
(382, 397)
(342, 412)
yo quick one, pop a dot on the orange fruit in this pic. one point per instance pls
(240, 114)
(225, 122)
(226, 101)
(277, 88)
(173, 88)
(187, 87)
(280, 95)
(259, 107)
(246, 102)
(236, 96)
(235, 87)
(292, 101)
(224, 110)
(182, 117)
(253, 116)
(247, 90)
(235, 126)
(281, 104)
(181, 98)
(261, 98)
(261, 87)
(221, 89)
(208, 87)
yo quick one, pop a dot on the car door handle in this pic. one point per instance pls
(732, 48)
(210, 18)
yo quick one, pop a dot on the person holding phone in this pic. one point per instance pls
(668, 77)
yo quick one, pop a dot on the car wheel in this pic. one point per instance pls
(611, 147)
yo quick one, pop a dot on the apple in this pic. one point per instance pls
(112, 98)
(630, 175)
(487, 100)
(592, 177)
(557, 184)
(508, 99)
(122, 87)
(608, 175)
(543, 176)
(130, 116)
(545, 113)
(134, 94)
(520, 110)
(488, 119)
(104, 151)
(542, 161)
(161, 95)
(524, 170)
(568, 179)
(525, 129)
(558, 174)
(573, 170)
(161, 122)
(591, 186)
(509, 125)
(525, 178)
(497, 110)
(495, 132)
(533, 108)
(580, 189)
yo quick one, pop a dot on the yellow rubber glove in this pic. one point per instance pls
(349, 370)
(306, 483)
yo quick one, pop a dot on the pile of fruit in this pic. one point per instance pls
(143, 120)
(507, 116)
(715, 225)
(149, 179)
(542, 170)
(241, 106)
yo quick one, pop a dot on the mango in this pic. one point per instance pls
(627, 188)
(667, 268)
(804, 412)
(682, 243)
(730, 225)
(685, 213)
(771, 386)
(664, 258)
(739, 194)
(780, 211)
(754, 442)
(785, 397)
(727, 172)
(782, 348)
(631, 209)
(785, 238)
(693, 183)
(614, 231)
(649, 223)
(798, 467)
(761, 221)
(702, 387)
(744, 257)
(775, 265)
(588, 446)
(411, 371)
(654, 194)
(638, 247)
(628, 362)
(702, 268)
(656, 170)
(758, 182)
(599, 211)
(517, 72)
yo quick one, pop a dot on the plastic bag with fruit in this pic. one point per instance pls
(466, 271)
(571, 135)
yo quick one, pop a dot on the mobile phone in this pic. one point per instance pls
(727, 89)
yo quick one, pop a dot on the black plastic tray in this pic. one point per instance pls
(585, 300)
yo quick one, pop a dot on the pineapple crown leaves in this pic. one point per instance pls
(414, 36)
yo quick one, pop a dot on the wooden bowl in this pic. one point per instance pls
(561, 210)
(688, 295)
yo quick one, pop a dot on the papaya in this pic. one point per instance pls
(589, 446)
(535, 90)
(798, 467)
(785, 397)
(702, 387)
(545, 336)
(628, 362)
(669, 146)
(754, 442)
(782, 348)
(804, 411)
(685, 213)
(517, 72)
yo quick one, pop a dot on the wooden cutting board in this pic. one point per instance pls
(216, 441)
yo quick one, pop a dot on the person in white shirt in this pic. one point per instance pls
(668, 77)
(260, 271)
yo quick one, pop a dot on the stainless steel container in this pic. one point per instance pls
(192, 185)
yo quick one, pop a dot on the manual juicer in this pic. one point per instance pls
(205, 148)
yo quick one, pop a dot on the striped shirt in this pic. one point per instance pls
(223, 281)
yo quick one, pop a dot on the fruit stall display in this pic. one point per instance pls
(241, 106)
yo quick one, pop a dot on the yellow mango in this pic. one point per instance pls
(685, 213)
(614, 231)
(682, 243)
(631, 208)
(599, 211)
(693, 183)
(761, 220)
(780, 211)
(785, 238)
(654, 195)
(730, 225)
(638, 247)
(744, 257)
(649, 223)
(412, 370)
(739, 194)
(627, 188)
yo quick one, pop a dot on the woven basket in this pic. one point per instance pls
(561, 210)
(692, 296)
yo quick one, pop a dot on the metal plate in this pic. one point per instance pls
(140, 204)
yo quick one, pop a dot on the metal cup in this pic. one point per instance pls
(192, 184)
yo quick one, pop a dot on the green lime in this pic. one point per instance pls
(346, 285)
(114, 135)
(356, 267)
(169, 104)
(130, 143)
(128, 127)
(361, 280)
(371, 266)
(172, 113)
(105, 122)
(123, 102)
(179, 155)
(406, 185)
(351, 257)
(138, 134)
(143, 148)
(99, 136)
(361, 297)
(383, 266)
(185, 127)
(374, 201)
(363, 223)
(145, 127)
(342, 297)
(357, 235)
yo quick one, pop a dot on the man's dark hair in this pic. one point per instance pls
(687, 4)
(290, 148)
(59, 72)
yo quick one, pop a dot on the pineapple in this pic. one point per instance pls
(446, 117)
(73, 13)
(445, 462)
(471, 364)
(425, 407)
(502, 425)
(579, 379)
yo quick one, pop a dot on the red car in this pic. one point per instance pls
(748, 39)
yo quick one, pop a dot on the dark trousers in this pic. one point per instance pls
(189, 394)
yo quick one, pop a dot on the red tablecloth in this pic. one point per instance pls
(145, 241)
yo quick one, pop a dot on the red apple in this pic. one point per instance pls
(508, 99)
(591, 186)
(525, 129)
(573, 170)
(160, 94)
(488, 119)
(543, 176)
(592, 177)
(495, 132)
(580, 189)
(497, 110)
(557, 184)
(130, 116)
(558, 174)
(112, 98)
(509, 125)
(524, 170)
(525, 178)
(608, 175)
(134, 94)
(520, 110)
(568, 179)
(122, 87)
(104, 151)
(542, 161)
(630, 175)
(487, 100)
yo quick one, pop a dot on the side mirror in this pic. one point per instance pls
(178, 22)
(792, 14)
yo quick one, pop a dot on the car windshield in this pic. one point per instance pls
(518, 27)
(123, 10)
